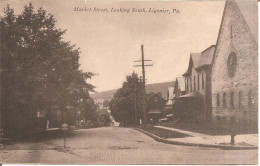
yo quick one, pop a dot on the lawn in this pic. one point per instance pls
(203, 128)
(163, 133)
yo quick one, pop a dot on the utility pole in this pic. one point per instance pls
(135, 120)
(143, 87)
(139, 97)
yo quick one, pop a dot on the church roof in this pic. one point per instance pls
(199, 60)
(249, 10)
(206, 56)
(195, 57)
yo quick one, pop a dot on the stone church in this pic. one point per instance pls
(234, 76)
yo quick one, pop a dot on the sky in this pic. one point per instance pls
(110, 42)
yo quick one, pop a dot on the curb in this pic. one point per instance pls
(159, 139)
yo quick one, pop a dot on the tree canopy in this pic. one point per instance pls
(39, 70)
(155, 102)
(122, 105)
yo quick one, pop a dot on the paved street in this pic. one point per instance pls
(115, 145)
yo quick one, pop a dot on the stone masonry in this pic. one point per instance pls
(235, 36)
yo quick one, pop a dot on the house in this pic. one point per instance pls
(167, 110)
(159, 87)
(179, 88)
(170, 96)
(235, 67)
(155, 105)
(198, 84)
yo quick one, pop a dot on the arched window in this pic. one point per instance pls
(231, 64)
(187, 90)
(218, 101)
(232, 99)
(224, 100)
(240, 99)
(190, 83)
(202, 76)
(250, 99)
(198, 81)
(194, 83)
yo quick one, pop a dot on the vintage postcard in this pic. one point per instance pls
(129, 82)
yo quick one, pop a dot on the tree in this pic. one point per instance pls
(155, 101)
(39, 71)
(91, 110)
(106, 103)
(104, 118)
(122, 105)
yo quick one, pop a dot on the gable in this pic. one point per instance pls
(249, 10)
(235, 37)
(198, 60)
(181, 83)
(207, 56)
(250, 18)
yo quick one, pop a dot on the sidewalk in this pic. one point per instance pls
(243, 141)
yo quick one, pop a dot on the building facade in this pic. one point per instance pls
(170, 96)
(235, 67)
(198, 81)
(179, 87)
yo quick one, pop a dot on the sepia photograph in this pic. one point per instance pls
(129, 82)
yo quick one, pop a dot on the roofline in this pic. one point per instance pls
(222, 20)
(203, 66)
(179, 77)
(185, 74)
(188, 66)
(256, 40)
(208, 48)
(219, 32)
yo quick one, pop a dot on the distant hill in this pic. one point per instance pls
(160, 87)
(106, 95)
(156, 87)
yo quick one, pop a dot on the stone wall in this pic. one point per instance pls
(240, 41)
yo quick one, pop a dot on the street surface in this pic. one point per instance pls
(116, 145)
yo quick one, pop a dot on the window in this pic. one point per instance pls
(240, 99)
(250, 99)
(202, 80)
(194, 81)
(253, 98)
(231, 64)
(224, 100)
(187, 85)
(218, 101)
(198, 81)
(232, 99)
(191, 84)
